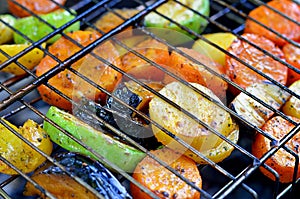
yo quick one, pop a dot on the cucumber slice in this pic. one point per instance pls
(180, 14)
(122, 155)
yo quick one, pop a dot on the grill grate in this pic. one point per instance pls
(235, 177)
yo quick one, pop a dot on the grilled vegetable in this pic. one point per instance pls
(36, 6)
(254, 112)
(62, 186)
(6, 33)
(163, 182)
(29, 60)
(138, 98)
(151, 49)
(292, 106)
(244, 76)
(18, 152)
(124, 156)
(282, 161)
(179, 65)
(275, 21)
(196, 73)
(186, 128)
(292, 55)
(221, 39)
(35, 29)
(69, 83)
(109, 21)
(181, 14)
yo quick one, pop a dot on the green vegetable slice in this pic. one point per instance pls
(181, 14)
(35, 29)
(122, 155)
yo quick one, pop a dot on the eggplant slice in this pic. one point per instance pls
(61, 185)
(120, 116)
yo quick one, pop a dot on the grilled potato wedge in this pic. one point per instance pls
(254, 112)
(189, 130)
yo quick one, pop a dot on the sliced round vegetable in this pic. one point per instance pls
(36, 6)
(53, 179)
(69, 83)
(163, 182)
(282, 161)
(222, 39)
(292, 106)
(110, 20)
(29, 60)
(180, 14)
(151, 49)
(197, 73)
(292, 55)
(184, 127)
(18, 152)
(253, 111)
(244, 76)
(6, 33)
(275, 21)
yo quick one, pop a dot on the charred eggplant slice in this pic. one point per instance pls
(61, 185)
(138, 98)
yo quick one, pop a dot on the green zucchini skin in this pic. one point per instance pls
(35, 29)
(122, 155)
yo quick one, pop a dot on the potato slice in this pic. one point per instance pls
(186, 128)
(221, 39)
(29, 60)
(254, 112)
(292, 106)
(18, 152)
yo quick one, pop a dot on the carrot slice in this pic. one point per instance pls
(151, 49)
(36, 6)
(69, 83)
(282, 162)
(292, 55)
(197, 73)
(275, 21)
(244, 76)
(163, 182)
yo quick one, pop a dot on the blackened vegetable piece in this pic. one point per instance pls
(108, 116)
(138, 98)
(61, 185)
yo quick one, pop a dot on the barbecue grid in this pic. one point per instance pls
(235, 177)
